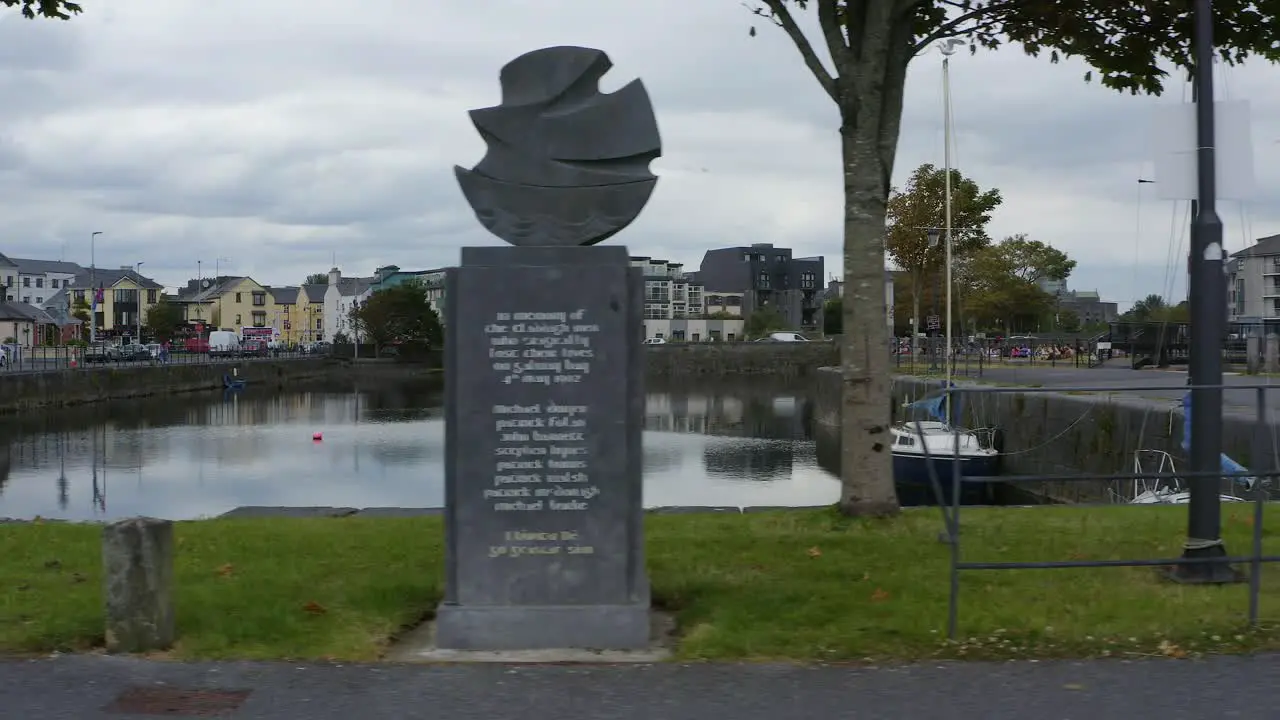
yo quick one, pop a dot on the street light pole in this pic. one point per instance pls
(1208, 292)
(93, 286)
(137, 269)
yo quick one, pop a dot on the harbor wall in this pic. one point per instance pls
(21, 392)
(1056, 433)
(728, 359)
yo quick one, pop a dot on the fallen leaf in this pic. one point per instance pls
(879, 595)
(314, 608)
(866, 576)
(815, 552)
(1169, 649)
(226, 570)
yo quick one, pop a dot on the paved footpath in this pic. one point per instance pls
(79, 687)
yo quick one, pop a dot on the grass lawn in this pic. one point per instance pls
(804, 585)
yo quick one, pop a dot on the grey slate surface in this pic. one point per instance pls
(76, 687)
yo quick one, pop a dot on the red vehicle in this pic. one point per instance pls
(196, 345)
(254, 347)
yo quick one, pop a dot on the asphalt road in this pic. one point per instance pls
(1122, 380)
(80, 687)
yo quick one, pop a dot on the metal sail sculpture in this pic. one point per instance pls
(567, 165)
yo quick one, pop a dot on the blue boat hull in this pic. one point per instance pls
(911, 475)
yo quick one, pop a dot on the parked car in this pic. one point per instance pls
(656, 341)
(4, 357)
(196, 345)
(784, 337)
(133, 352)
(254, 348)
(101, 353)
(224, 343)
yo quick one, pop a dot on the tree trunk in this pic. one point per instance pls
(866, 463)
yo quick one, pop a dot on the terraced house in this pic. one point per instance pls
(125, 298)
(228, 303)
(299, 313)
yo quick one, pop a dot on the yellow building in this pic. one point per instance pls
(125, 297)
(228, 303)
(299, 313)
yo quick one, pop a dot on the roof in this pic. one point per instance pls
(1269, 245)
(315, 292)
(101, 277)
(23, 312)
(6, 262)
(44, 267)
(284, 295)
(351, 287)
(208, 289)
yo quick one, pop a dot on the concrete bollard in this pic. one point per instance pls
(1253, 354)
(1272, 363)
(137, 559)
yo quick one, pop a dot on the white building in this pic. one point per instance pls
(35, 281)
(340, 295)
(675, 307)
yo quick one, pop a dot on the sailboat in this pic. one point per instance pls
(927, 451)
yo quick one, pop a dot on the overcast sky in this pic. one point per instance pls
(281, 135)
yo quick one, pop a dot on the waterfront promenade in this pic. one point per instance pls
(87, 686)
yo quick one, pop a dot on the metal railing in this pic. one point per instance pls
(970, 360)
(951, 510)
(51, 359)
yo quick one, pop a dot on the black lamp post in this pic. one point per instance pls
(934, 235)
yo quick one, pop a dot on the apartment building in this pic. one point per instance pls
(674, 305)
(228, 302)
(1253, 284)
(767, 276)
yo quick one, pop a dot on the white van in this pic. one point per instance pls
(223, 343)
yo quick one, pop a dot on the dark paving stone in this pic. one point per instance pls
(263, 511)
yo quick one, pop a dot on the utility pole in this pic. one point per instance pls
(93, 286)
(1208, 293)
(137, 269)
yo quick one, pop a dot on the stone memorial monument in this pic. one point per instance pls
(545, 369)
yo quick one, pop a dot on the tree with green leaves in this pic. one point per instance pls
(832, 316)
(80, 311)
(1006, 281)
(1154, 308)
(763, 321)
(56, 9)
(397, 314)
(317, 279)
(868, 45)
(164, 319)
(921, 205)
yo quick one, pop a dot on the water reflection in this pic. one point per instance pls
(197, 456)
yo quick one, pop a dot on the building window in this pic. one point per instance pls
(39, 282)
(39, 300)
(237, 297)
(151, 297)
(259, 299)
(238, 319)
(54, 283)
(319, 324)
(79, 295)
(26, 282)
(125, 296)
(259, 318)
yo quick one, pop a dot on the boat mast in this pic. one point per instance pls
(947, 48)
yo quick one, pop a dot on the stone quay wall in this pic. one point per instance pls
(728, 359)
(28, 391)
(1055, 433)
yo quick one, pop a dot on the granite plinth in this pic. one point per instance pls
(544, 410)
